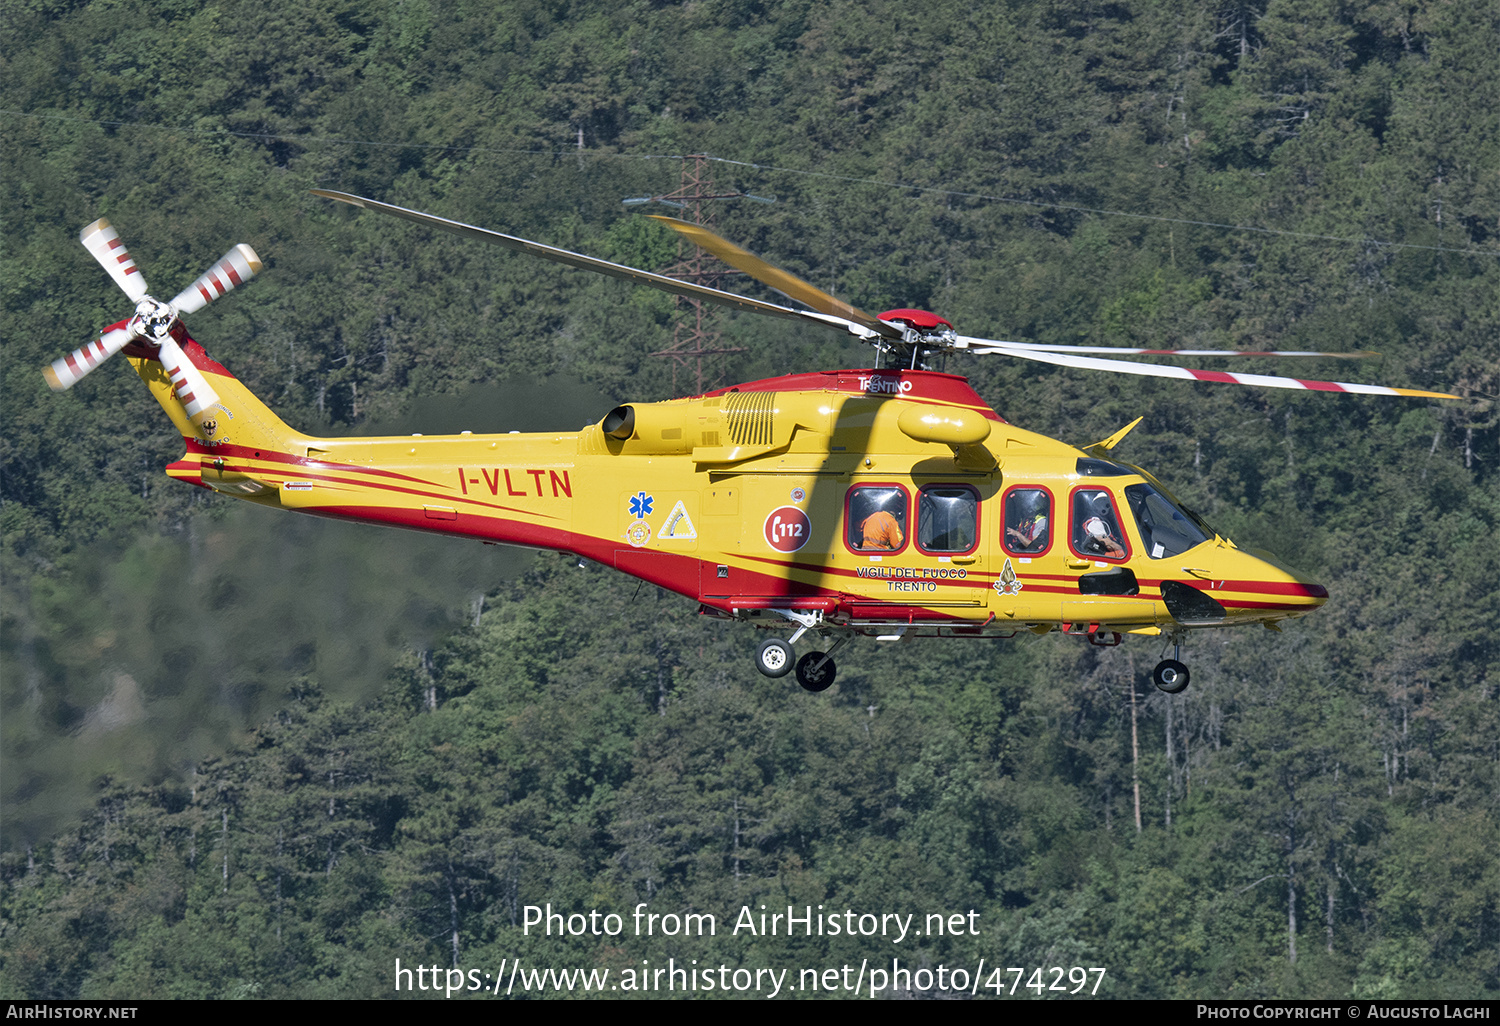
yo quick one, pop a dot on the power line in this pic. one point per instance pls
(1078, 208)
(303, 140)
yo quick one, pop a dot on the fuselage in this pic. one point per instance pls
(871, 498)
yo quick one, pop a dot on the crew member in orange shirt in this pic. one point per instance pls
(881, 531)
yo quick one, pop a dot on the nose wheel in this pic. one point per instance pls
(1170, 676)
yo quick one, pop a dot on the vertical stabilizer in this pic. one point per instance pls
(230, 443)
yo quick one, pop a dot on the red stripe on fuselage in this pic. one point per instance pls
(232, 450)
(382, 486)
(1286, 606)
(975, 578)
(982, 578)
(1300, 588)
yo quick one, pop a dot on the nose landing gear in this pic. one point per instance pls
(1171, 675)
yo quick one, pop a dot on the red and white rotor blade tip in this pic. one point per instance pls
(188, 382)
(236, 267)
(67, 372)
(104, 243)
(1160, 371)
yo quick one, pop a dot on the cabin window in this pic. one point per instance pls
(1028, 521)
(1166, 531)
(875, 518)
(947, 519)
(1096, 527)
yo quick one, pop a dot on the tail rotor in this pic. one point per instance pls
(153, 320)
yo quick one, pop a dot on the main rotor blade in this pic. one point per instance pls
(236, 267)
(104, 243)
(785, 282)
(67, 372)
(981, 347)
(630, 274)
(1038, 347)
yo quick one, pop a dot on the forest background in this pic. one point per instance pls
(245, 753)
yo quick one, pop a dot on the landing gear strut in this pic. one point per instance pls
(815, 670)
(1171, 675)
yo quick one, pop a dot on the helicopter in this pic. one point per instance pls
(889, 503)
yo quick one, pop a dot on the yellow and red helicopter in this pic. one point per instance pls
(890, 503)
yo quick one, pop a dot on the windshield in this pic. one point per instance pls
(1166, 529)
(1182, 507)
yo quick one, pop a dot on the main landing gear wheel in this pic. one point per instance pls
(1170, 676)
(813, 677)
(774, 658)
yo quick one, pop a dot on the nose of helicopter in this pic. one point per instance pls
(1272, 587)
(1244, 586)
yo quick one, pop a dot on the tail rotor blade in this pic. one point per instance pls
(236, 267)
(67, 372)
(104, 243)
(192, 388)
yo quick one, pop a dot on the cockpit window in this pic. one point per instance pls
(1182, 507)
(876, 518)
(1165, 530)
(1089, 467)
(1096, 529)
(947, 518)
(1028, 521)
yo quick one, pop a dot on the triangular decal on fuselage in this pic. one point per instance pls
(679, 525)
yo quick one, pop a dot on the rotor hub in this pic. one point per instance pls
(923, 333)
(922, 320)
(153, 318)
